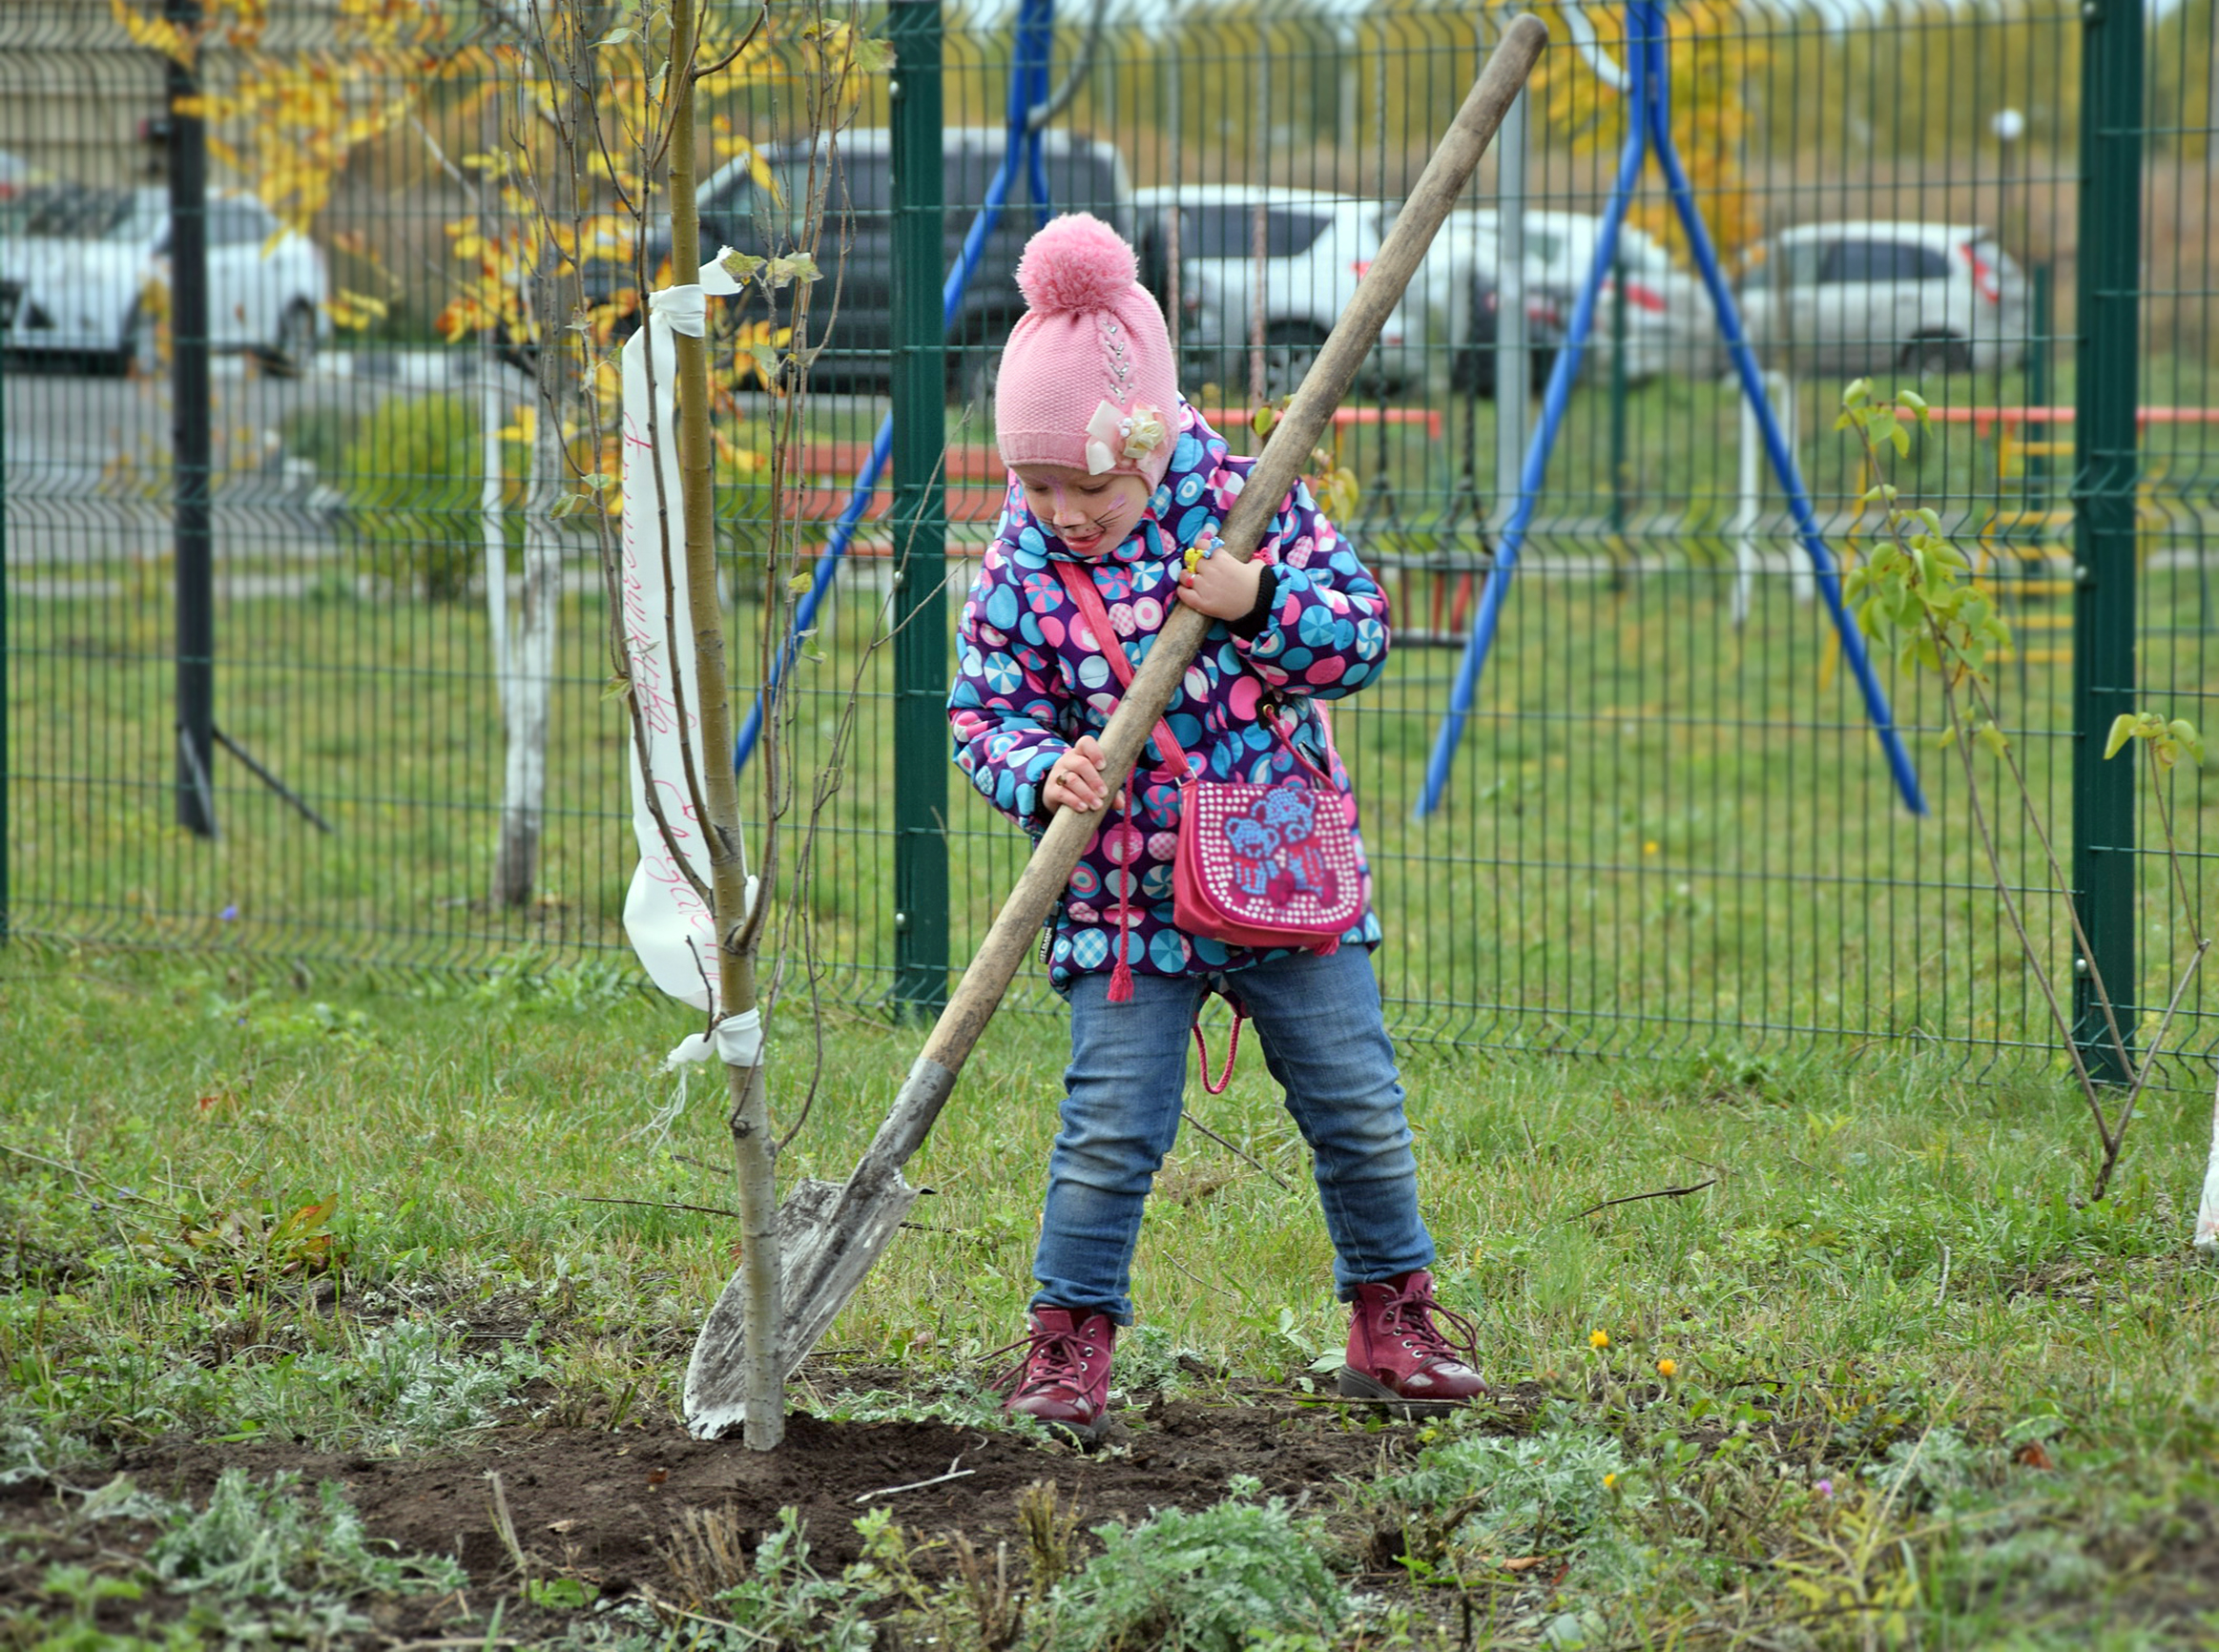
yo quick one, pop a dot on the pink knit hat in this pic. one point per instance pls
(1087, 377)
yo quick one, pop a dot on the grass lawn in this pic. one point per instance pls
(350, 1229)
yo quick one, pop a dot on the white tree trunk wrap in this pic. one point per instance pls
(671, 926)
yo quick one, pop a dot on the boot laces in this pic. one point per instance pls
(1409, 1314)
(1051, 1359)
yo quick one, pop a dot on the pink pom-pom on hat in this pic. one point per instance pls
(1086, 380)
(1075, 262)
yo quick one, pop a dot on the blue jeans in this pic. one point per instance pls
(1319, 1021)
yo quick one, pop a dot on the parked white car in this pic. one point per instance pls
(1315, 248)
(1846, 299)
(83, 258)
(1670, 325)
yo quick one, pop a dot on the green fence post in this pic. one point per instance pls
(192, 427)
(2105, 467)
(920, 517)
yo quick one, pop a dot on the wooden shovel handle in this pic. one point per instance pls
(1016, 928)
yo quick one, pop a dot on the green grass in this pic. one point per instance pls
(1889, 1260)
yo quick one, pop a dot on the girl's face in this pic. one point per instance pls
(1091, 514)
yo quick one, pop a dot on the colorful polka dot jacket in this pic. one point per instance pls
(1031, 681)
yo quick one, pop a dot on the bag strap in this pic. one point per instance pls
(1271, 719)
(1081, 585)
(1232, 1050)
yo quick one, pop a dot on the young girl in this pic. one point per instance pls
(1113, 471)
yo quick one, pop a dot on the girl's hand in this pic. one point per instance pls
(1076, 781)
(1218, 586)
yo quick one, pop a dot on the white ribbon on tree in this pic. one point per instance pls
(669, 923)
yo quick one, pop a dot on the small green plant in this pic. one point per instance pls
(1917, 594)
(1220, 1579)
(414, 469)
(80, 1592)
(257, 1541)
(789, 1604)
(280, 1022)
(422, 1389)
(33, 1449)
(1486, 1500)
(951, 1400)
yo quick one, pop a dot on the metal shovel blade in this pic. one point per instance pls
(829, 1235)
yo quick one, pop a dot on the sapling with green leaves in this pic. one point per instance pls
(1918, 595)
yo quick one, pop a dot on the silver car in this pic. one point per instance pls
(1849, 299)
(1314, 249)
(1669, 323)
(81, 262)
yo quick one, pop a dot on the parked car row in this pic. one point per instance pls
(1262, 275)
(80, 261)
(1668, 325)
(1834, 298)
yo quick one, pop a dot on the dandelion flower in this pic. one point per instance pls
(1667, 1368)
(1598, 1340)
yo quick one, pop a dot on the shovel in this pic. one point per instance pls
(830, 1235)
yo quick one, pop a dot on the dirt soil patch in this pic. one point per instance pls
(599, 1504)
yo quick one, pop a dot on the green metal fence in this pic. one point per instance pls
(1668, 826)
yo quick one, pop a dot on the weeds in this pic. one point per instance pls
(951, 1399)
(422, 1388)
(785, 1603)
(1207, 1582)
(71, 1622)
(264, 1542)
(1485, 1501)
(407, 1384)
(528, 980)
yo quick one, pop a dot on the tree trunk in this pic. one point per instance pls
(494, 538)
(529, 674)
(751, 1136)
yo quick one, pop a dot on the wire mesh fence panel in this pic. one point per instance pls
(360, 480)
(1671, 822)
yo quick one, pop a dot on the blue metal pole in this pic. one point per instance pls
(1554, 402)
(1783, 458)
(1036, 16)
(1029, 90)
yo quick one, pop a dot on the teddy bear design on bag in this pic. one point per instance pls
(1275, 850)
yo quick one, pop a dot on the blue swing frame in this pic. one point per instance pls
(1649, 89)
